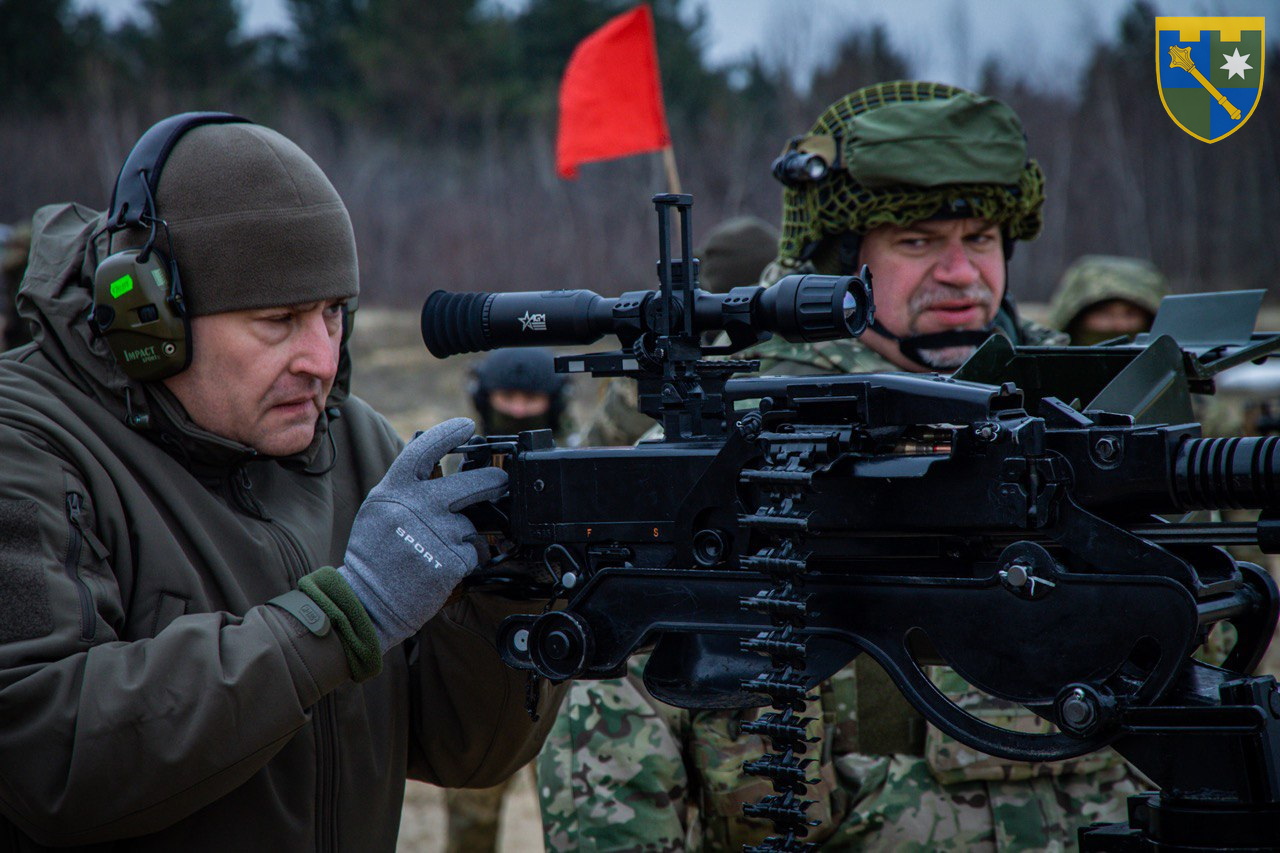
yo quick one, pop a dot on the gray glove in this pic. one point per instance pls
(409, 545)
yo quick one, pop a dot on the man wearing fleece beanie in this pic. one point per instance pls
(223, 579)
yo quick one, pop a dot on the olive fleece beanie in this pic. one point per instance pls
(253, 222)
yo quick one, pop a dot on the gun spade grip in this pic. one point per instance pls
(454, 323)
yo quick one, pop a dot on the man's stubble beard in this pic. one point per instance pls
(947, 359)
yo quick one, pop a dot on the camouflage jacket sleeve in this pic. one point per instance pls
(616, 420)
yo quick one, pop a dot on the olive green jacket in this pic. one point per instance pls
(149, 695)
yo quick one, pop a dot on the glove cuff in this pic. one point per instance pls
(350, 620)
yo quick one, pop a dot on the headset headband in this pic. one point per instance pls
(129, 199)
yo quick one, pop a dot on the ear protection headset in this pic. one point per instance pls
(137, 293)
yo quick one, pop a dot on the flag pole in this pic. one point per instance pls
(673, 176)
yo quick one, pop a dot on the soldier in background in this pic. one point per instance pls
(733, 255)
(14, 249)
(1104, 296)
(519, 389)
(937, 223)
(511, 390)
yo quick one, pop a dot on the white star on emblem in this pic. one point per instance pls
(525, 321)
(1236, 64)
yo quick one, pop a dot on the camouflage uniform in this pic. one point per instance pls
(1094, 279)
(616, 420)
(620, 771)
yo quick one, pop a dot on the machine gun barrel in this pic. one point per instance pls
(1228, 473)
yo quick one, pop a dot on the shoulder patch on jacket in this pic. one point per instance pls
(24, 591)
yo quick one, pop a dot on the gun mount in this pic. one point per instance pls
(1007, 521)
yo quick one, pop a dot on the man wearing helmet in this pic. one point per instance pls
(1103, 296)
(930, 186)
(518, 389)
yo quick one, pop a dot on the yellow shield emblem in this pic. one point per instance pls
(1209, 72)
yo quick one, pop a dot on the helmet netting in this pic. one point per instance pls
(838, 203)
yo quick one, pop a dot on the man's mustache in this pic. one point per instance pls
(979, 293)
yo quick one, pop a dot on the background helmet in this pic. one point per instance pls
(518, 369)
(1094, 279)
(735, 252)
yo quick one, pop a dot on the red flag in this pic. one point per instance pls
(611, 96)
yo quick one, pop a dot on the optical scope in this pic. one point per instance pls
(800, 308)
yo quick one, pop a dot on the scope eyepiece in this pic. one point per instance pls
(813, 308)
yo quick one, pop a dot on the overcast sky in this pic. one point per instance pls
(945, 40)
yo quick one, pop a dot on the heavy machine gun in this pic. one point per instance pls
(1009, 521)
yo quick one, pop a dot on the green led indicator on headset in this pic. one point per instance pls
(121, 286)
(159, 278)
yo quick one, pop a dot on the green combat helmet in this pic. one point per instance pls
(903, 152)
(1094, 279)
(898, 153)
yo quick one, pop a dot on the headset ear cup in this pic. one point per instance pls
(136, 312)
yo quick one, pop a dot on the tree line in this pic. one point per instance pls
(436, 122)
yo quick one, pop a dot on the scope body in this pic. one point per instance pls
(798, 307)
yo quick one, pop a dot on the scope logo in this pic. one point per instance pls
(533, 322)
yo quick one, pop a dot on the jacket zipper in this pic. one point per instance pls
(326, 735)
(241, 488)
(88, 624)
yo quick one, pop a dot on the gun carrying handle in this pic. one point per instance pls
(952, 720)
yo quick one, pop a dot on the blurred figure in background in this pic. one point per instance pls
(1101, 297)
(517, 389)
(735, 252)
(15, 246)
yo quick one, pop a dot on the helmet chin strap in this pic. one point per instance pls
(912, 346)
